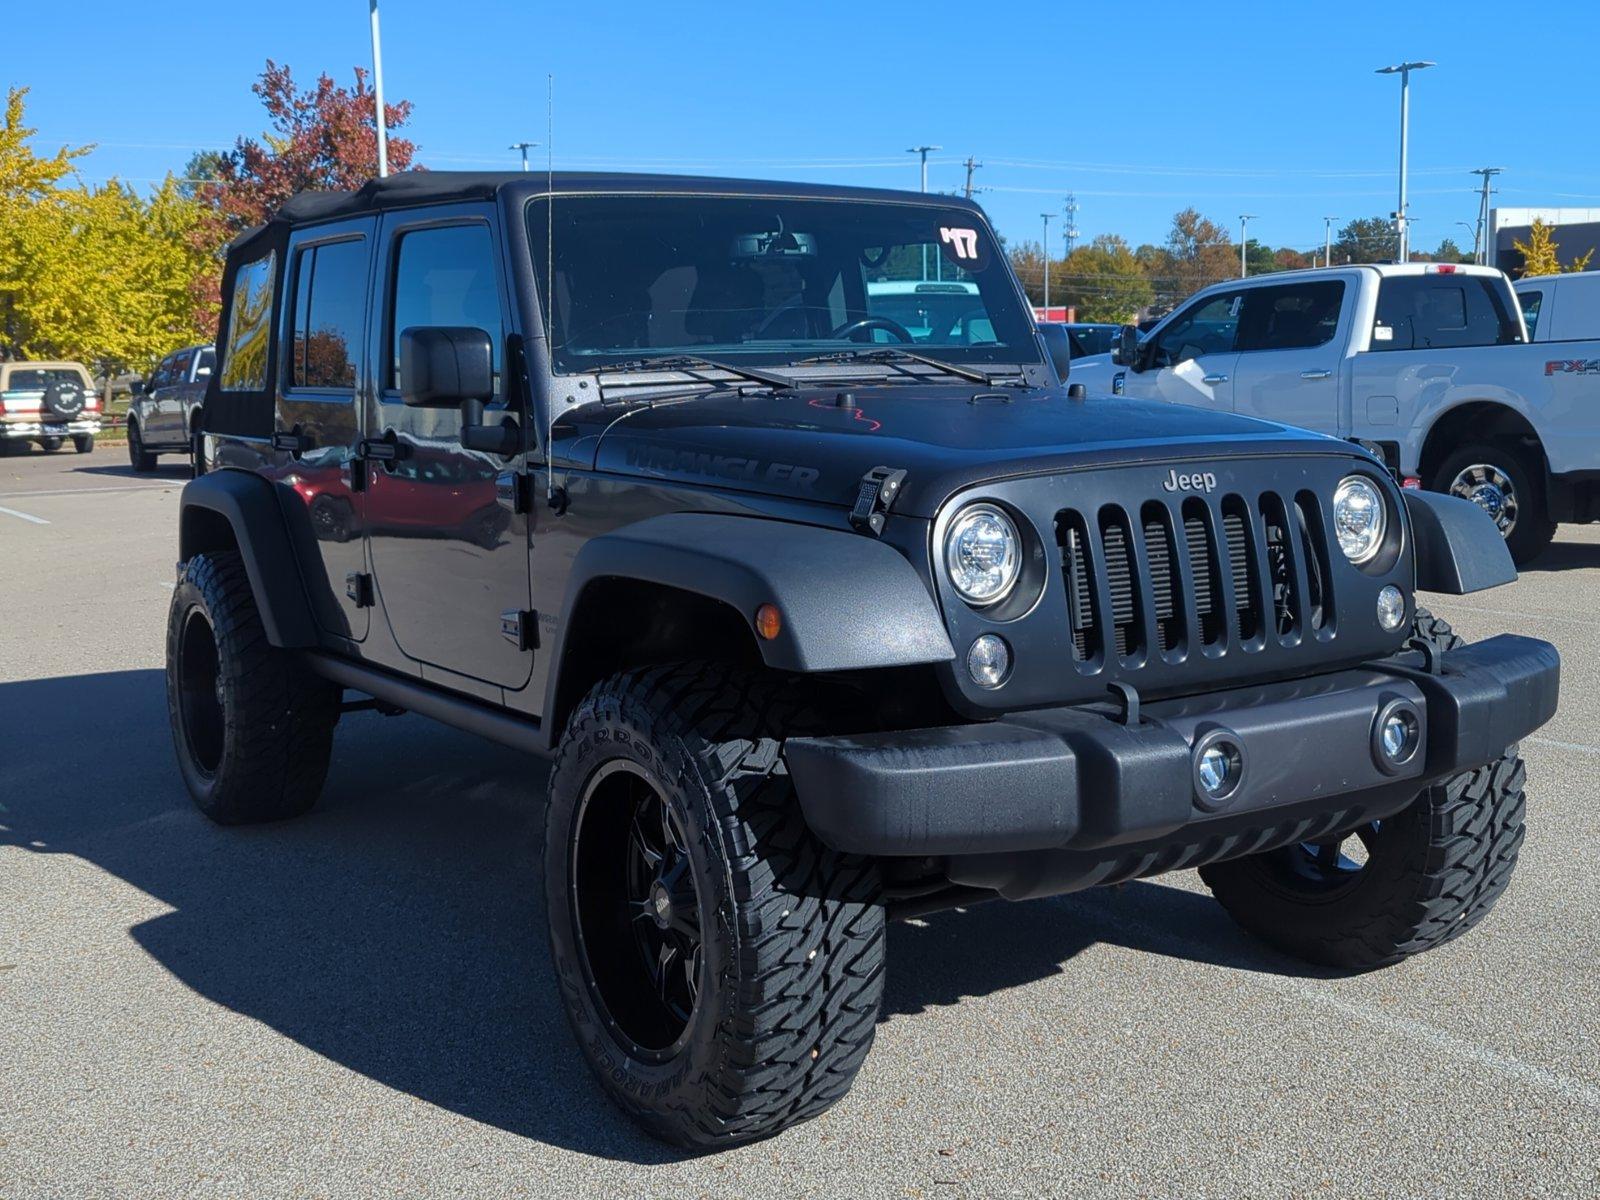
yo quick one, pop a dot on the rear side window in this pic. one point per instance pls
(1530, 310)
(330, 302)
(445, 276)
(1430, 312)
(244, 367)
(1293, 317)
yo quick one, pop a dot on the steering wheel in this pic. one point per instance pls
(850, 328)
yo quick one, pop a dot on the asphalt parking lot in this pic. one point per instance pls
(359, 1003)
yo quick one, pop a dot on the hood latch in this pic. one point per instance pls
(875, 498)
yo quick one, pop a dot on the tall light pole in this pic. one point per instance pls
(377, 94)
(1402, 234)
(924, 152)
(1327, 240)
(1480, 239)
(1044, 246)
(1244, 264)
(524, 147)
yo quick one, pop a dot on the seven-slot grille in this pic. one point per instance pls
(1224, 573)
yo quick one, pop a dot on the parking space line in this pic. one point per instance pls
(1526, 616)
(1580, 747)
(95, 491)
(11, 512)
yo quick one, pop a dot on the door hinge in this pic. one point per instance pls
(521, 629)
(514, 490)
(359, 588)
(290, 441)
(875, 498)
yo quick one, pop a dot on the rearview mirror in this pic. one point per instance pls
(1126, 351)
(443, 365)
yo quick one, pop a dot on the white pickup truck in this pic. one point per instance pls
(1427, 364)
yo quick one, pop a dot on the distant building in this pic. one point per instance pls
(1574, 231)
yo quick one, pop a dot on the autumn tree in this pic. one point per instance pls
(1199, 252)
(1542, 256)
(1104, 281)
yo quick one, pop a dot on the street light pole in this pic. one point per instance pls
(524, 147)
(924, 151)
(1327, 240)
(1044, 246)
(1402, 233)
(1244, 264)
(377, 94)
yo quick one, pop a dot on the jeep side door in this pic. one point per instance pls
(449, 554)
(1191, 357)
(1291, 354)
(321, 381)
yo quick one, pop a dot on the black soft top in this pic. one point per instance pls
(413, 188)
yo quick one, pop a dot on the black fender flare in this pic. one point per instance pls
(846, 601)
(1459, 549)
(248, 506)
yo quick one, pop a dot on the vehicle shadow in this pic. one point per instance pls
(396, 931)
(171, 466)
(1566, 556)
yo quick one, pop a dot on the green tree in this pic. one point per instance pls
(1199, 252)
(1103, 281)
(1365, 240)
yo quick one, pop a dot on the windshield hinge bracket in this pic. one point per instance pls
(874, 499)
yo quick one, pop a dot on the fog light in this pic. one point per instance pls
(1396, 735)
(1218, 767)
(1391, 607)
(989, 661)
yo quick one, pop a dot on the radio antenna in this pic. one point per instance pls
(550, 277)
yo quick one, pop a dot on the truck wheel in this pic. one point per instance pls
(1392, 888)
(252, 727)
(1501, 481)
(138, 458)
(721, 968)
(50, 444)
(83, 443)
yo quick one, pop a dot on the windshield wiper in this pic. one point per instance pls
(894, 354)
(693, 363)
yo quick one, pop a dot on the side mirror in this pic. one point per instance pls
(1126, 351)
(202, 372)
(1059, 346)
(452, 366)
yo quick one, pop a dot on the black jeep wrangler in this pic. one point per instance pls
(761, 509)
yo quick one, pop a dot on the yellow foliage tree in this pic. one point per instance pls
(99, 275)
(1540, 253)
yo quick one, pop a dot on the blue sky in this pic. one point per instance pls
(1271, 109)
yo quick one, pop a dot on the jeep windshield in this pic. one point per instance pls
(773, 281)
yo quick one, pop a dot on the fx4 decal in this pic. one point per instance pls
(1572, 366)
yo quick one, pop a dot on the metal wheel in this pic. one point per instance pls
(200, 706)
(1328, 867)
(637, 910)
(1491, 489)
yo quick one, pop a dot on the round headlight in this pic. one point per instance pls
(1358, 517)
(982, 554)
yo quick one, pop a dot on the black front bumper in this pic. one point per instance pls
(1084, 781)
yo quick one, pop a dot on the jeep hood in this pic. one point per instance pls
(808, 445)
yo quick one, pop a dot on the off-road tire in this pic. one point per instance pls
(793, 951)
(83, 443)
(1534, 528)
(1434, 870)
(139, 458)
(274, 732)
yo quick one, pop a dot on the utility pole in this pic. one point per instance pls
(924, 151)
(1044, 245)
(1072, 223)
(972, 165)
(524, 147)
(1327, 240)
(1480, 237)
(1402, 234)
(377, 94)
(1244, 264)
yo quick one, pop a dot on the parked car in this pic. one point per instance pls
(165, 413)
(1560, 308)
(929, 310)
(47, 403)
(1426, 363)
(819, 631)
